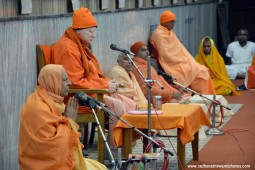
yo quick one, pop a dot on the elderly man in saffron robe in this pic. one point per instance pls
(128, 85)
(209, 56)
(168, 94)
(48, 136)
(72, 51)
(176, 60)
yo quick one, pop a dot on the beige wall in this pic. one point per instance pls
(14, 8)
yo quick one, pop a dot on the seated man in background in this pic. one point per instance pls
(176, 60)
(239, 55)
(128, 85)
(168, 94)
(209, 56)
(48, 136)
(72, 51)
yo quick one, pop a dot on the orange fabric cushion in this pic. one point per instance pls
(251, 77)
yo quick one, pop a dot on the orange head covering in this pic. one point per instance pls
(50, 78)
(136, 46)
(83, 18)
(167, 16)
(217, 68)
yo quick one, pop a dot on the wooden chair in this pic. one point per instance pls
(46, 50)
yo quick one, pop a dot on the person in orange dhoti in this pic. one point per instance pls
(176, 60)
(128, 85)
(209, 56)
(48, 136)
(72, 51)
(253, 61)
(168, 94)
(249, 82)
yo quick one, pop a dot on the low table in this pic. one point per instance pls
(187, 118)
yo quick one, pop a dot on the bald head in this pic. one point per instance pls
(124, 62)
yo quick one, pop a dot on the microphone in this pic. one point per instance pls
(160, 72)
(115, 47)
(89, 101)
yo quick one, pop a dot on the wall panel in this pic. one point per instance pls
(12, 8)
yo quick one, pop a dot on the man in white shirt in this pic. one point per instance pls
(239, 55)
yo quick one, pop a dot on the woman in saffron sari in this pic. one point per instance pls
(209, 56)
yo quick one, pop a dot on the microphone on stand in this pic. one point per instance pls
(163, 74)
(115, 47)
(89, 101)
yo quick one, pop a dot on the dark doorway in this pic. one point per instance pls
(241, 14)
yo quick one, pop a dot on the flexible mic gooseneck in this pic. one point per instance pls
(89, 101)
(115, 47)
(163, 74)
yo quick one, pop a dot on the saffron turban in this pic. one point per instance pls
(136, 46)
(167, 16)
(83, 18)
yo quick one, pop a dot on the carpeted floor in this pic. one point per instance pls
(171, 144)
(235, 149)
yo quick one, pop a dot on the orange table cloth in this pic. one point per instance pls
(188, 118)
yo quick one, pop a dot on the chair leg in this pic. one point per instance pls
(92, 133)
(85, 135)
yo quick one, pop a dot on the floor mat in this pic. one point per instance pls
(170, 144)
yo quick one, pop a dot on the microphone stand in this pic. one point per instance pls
(213, 130)
(102, 107)
(149, 96)
(148, 82)
(93, 105)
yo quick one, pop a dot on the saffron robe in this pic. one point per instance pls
(47, 140)
(84, 71)
(250, 76)
(168, 90)
(178, 62)
(128, 85)
(215, 63)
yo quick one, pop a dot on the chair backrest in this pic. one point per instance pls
(44, 56)
(154, 56)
